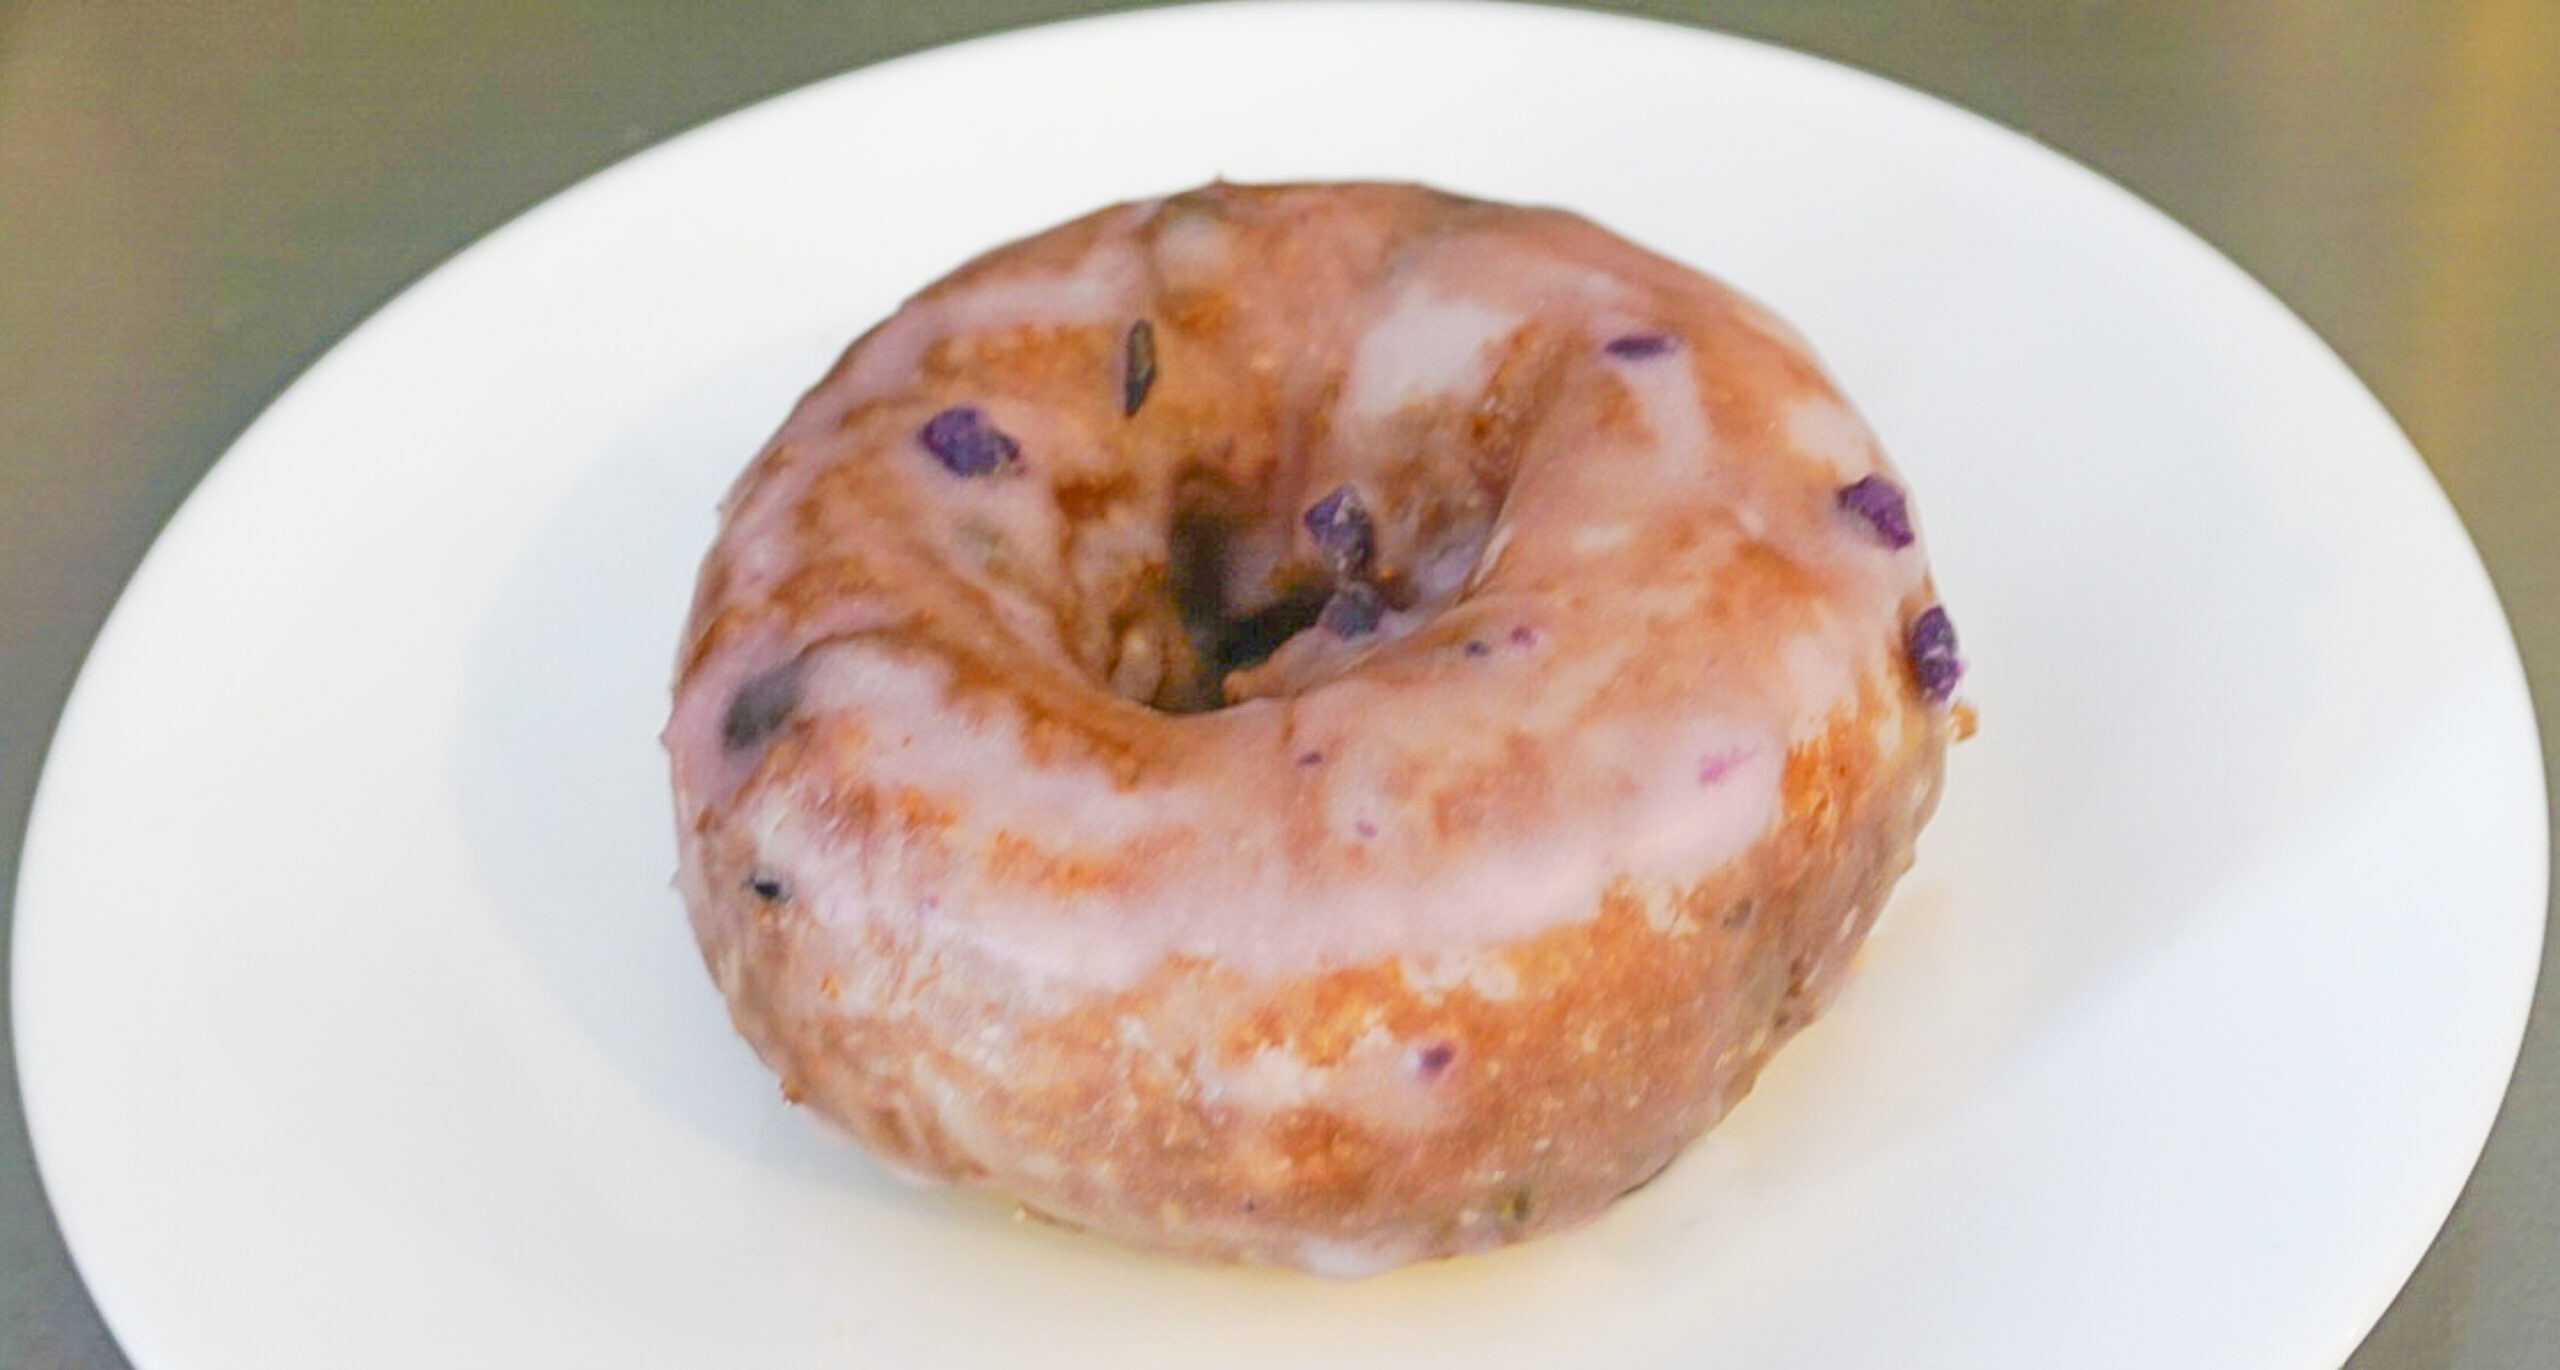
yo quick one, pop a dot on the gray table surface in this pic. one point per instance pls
(197, 201)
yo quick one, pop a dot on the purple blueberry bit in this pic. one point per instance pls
(1354, 610)
(1310, 758)
(1524, 636)
(966, 444)
(1635, 347)
(1719, 765)
(1340, 525)
(1477, 646)
(760, 708)
(1433, 1061)
(766, 887)
(1931, 646)
(1879, 502)
(1137, 367)
(1365, 828)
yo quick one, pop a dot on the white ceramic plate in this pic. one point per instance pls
(359, 1027)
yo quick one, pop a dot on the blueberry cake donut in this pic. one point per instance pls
(1322, 725)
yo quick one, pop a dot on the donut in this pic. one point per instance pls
(1314, 725)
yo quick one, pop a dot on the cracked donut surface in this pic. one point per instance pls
(1323, 725)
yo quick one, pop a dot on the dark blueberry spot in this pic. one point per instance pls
(1433, 1061)
(1739, 916)
(1353, 611)
(1635, 347)
(1524, 636)
(766, 887)
(1252, 1204)
(1365, 828)
(1477, 646)
(1879, 502)
(761, 707)
(1931, 646)
(1718, 766)
(1310, 758)
(1138, 366)
(1340, 525)
(966, 444)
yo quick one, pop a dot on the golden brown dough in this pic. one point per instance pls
(1322, 725)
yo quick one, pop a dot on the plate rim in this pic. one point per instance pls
(221, 476)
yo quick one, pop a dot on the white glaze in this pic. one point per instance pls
(1622, 606)
(1425, 347)
(1623, 798)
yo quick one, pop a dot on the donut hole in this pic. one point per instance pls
(1259, 596)
(1223, 634)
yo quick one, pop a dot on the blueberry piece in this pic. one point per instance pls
(1716, 767)
(1930, 644)
(761, 707)
(1635, 347)
(1138, 367)
(1340, 525)
(1353, 611)
(966, 444)
(1879, 502)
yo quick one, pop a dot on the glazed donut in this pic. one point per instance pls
(1318, 725)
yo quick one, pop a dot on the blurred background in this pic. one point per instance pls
(198, 201)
